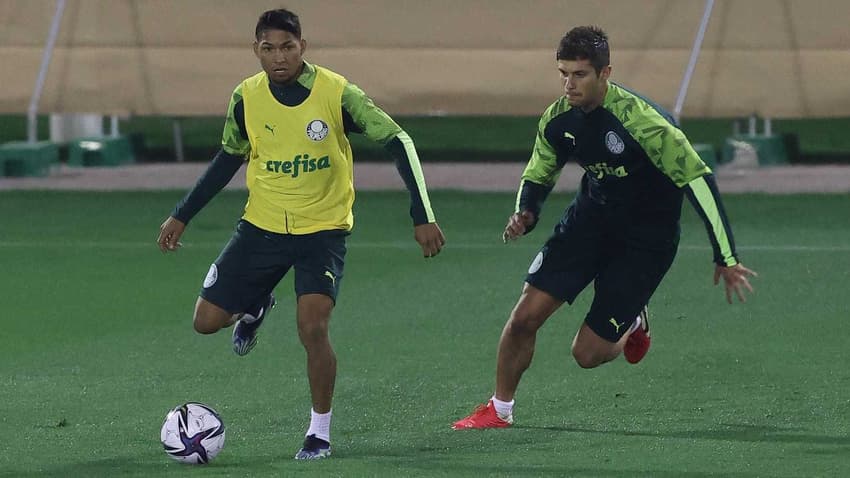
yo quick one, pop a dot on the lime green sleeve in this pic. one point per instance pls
(705, 198)
(664, 143)
(232, 141)
(375, 124)
(542, 169)
(378, 126)
(543, 166)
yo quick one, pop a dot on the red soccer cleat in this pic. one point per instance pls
(637, 345)
(484, 416)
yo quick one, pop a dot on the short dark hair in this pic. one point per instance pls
(279, 19)
(585, 43)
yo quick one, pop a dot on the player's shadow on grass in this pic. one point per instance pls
(728, 431)
(443, 463)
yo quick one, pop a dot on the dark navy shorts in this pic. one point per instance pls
(625, 273)
(254, 261)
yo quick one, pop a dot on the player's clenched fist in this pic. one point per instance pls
(518, 223)
(169, 234)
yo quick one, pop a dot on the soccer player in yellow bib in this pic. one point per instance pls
(290, 122)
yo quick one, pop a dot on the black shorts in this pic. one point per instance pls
(254, 261)
(625, 272)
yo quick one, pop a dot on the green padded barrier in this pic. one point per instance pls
(769, 150)
(100, 151)
(21, 158)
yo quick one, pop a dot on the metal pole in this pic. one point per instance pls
(32, 110)
(113, 126)
(178, 140)
(692, 62)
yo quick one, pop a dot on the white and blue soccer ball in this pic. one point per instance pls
(192, 433)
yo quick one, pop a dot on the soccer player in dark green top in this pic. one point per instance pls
(621, 231)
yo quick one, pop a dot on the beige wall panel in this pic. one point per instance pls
(454, 81)
(740, 83)
(435, 82)
(827, 88)
(18, 71)
(25, 23)
(198, 87)
(779, 24)
(107, 23)
(184, 57)
(86, 80)
(144, 81)
(650, 73)
(420, 23)
(750, 24)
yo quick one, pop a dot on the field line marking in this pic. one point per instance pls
(393, 245)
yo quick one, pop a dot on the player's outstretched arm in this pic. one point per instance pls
(430, 237)
(218, 174)
(169, 234)
(735, 279)
(703, 194)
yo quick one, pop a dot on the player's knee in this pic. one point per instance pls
(210, 318)
(204, 326)
(586, 358)
(314, 316)
(312, 331)
(522, 324)
(207, 323)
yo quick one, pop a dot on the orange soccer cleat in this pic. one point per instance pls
(484, 416)
(637, 345)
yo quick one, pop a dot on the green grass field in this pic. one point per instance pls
(96, 345)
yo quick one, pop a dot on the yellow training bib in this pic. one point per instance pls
(300, 173)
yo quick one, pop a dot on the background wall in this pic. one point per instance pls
(777, 58)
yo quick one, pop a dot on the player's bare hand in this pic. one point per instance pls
(735, 280)
(430, 238)
(517, 225)
(169, 234)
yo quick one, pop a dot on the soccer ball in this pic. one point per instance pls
(192, 433)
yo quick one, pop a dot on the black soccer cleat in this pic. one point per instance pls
(245, 334)
(313, 449)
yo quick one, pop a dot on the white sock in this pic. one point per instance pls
(320, 425)
(635, 325)
(504, 409)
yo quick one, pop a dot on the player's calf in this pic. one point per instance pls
(591, 350)
(210, 318)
